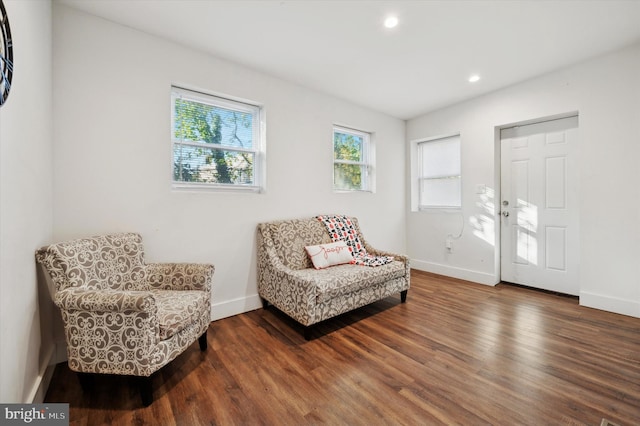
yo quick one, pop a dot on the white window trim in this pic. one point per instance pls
(258, 139)
(417, 179)
(367, 162)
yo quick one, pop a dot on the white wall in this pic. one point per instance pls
(112, 163)
(606, 93)
(112, 158)
(26, 346)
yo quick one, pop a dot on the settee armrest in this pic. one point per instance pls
(77, 299)
(278, 271)
(399, 257)
(289, 290)
(374, 251)
(396, 256)
(179, 276)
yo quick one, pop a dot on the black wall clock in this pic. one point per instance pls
(6, 55)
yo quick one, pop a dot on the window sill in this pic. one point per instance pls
(443, 209)
(351, 191)
(207, 187)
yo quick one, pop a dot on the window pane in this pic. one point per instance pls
(347, 176)
(440, 192)
(199, 122)
(347, 146)
(441, 157)
(211, 165)
(215, 140)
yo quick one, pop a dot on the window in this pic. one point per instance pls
(439, 179)
(216, 142)
(352, 159)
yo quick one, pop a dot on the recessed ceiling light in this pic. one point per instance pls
(474, 78)
(391, 21)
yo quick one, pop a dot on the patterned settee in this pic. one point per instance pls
(122, 315)
(288, 280)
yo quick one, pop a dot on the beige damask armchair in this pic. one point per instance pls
(122, 315)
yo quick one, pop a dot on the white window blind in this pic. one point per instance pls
(440, 180)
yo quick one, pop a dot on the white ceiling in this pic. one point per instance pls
(342, 48)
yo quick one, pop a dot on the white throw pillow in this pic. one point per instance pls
(325, 255)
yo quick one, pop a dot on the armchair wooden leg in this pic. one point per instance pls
(86, 381)
(202, 340)
(265, 303)
(146, 390)
(403, 296)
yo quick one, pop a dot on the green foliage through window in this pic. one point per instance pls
(214, 140)
(350, 160)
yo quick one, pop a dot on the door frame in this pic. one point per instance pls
(497, 161)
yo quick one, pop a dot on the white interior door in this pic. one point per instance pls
(539, 231)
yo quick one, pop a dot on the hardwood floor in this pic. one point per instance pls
(455, 353)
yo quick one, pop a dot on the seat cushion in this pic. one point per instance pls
(344, 279)
(178, 309)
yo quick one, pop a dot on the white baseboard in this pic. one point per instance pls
(610, 304)
(452, 271)
(41, 384)
(230, 308)
(587, 299)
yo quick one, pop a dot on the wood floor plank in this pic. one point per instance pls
(455, 353)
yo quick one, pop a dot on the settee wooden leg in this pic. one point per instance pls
(265, 303)
(146, 390)
(307, 332)
(202, 340)
(403, 296)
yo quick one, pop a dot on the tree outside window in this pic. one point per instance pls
(351, 160)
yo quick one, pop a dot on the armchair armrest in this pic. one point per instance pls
(179, 276)
(95, 320)
(105, 300)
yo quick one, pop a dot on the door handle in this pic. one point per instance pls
(505, 213)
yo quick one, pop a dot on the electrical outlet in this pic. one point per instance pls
(449, 243)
